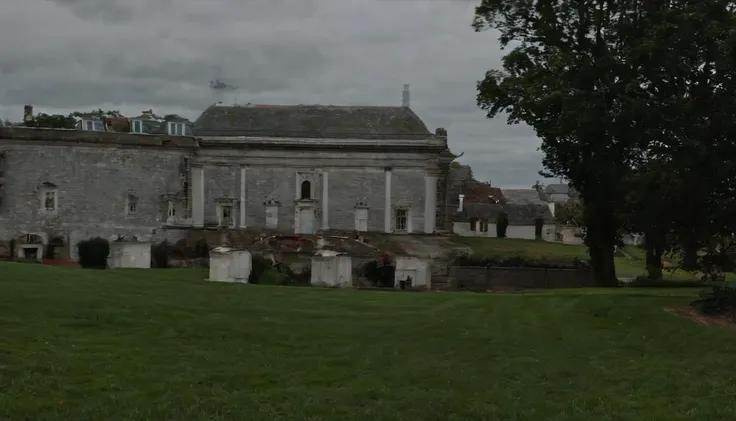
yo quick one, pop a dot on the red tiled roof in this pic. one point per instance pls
(482, 193)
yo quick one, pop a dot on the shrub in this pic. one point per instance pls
(502, 222)
(93, 253)
(522, 262)
(720, 300)
(259, 266)
(201, 249)
(160, 255)
(380, 273)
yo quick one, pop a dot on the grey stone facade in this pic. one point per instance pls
(106, 183)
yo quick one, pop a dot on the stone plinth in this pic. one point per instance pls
(129, 254)
(332, 269)
(229, 264)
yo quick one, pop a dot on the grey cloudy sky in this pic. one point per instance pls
(66, 55)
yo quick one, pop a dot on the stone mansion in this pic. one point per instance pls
(296, 169)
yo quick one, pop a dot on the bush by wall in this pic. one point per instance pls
(160, 254)
(93, 253)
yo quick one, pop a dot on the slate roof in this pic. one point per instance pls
(523, 197)
(312, 121)
(523, 214)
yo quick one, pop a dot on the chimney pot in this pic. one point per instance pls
(405, 96)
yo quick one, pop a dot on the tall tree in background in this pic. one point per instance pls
(599, 82)
(567, 78)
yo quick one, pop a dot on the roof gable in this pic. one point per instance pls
(318, 121)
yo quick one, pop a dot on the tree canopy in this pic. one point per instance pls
(611, 86)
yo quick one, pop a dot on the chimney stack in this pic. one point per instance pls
(28, 113)
(405, 96)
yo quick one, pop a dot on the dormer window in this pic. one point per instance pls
(136, 126)
(176, 129)
(92, 125)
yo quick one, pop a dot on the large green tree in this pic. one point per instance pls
(568, 78)
(595, 79)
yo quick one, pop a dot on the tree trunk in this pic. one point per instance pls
(600, 239)
(654, 251)
(689, 253)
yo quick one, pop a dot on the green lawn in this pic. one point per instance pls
(166, 345)
(630, 263)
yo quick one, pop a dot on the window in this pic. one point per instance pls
(136, 126)
(49, 199)
(176, 129)
(132, 205)
(89, 125)
(172, 210)
(402, 219)
(306, 190)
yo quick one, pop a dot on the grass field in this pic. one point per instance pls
(630, 263)
(166, 345)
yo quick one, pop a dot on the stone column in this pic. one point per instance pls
(325, 201)
(197, 195)
(242, 196)
(430, 199)
(387, 204)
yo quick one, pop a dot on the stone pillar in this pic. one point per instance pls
(242, 196)
(197, 195)
(325, 202)
(387, 204)
(430, 200)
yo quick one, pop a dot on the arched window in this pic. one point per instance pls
(306, 189)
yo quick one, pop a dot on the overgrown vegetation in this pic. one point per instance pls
(381, 272)
(720, 300)
(265, 272)
(522, 262)
(93, 253)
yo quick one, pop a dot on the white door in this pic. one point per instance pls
(306, 221)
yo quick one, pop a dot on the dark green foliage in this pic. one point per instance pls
(721, 300)
(259, 266)
(55, 121)
(379, 274)
(502, 223)
(201, 249)
(522, 262)
(93, 253)
(160, 255)
(265, 272)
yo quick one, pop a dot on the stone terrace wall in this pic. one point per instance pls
(479, 278)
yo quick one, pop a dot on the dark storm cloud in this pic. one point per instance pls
(64, 55)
